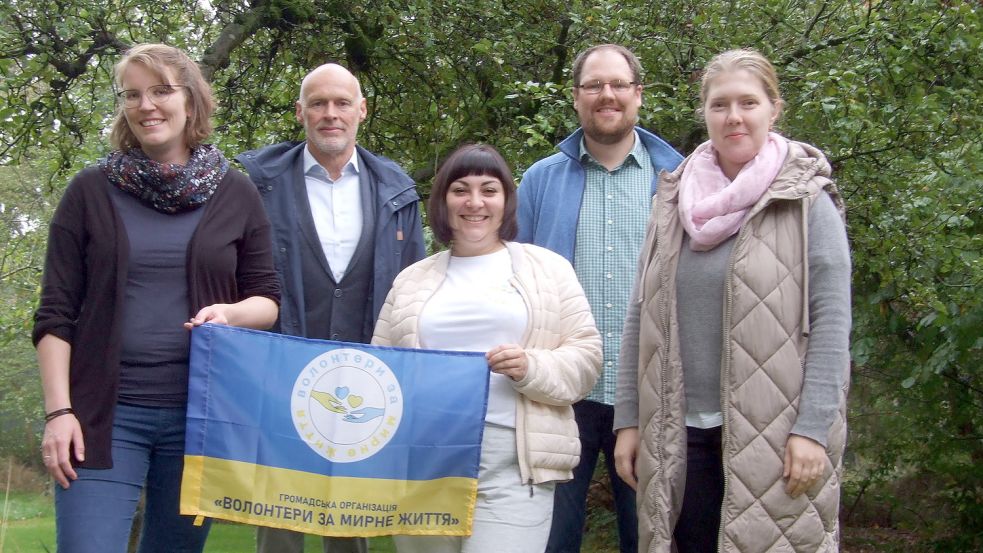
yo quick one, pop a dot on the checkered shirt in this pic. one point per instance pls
(610, 232)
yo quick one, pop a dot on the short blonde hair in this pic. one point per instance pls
(158, 58)
(751, 61)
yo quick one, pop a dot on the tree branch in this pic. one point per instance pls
(815, 20)
(561, 50)
(232, 36)
(804, 51)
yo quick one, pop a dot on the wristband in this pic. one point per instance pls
(57, 413)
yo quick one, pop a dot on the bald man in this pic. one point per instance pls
(345, 222)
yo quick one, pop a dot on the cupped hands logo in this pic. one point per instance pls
(346, 405)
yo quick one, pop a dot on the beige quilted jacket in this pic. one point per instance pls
(766, 322)
(561, 342)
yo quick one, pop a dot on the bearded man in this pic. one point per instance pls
(590, 203)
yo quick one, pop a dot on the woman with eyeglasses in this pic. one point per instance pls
(158, 237)
(731, 399)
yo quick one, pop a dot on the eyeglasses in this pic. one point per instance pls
(617, 86)
(158, 95)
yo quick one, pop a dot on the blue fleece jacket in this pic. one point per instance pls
(398, 234)
(552, 190)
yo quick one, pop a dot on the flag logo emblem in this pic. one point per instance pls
(346, 405)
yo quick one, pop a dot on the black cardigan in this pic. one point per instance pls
(229, 259)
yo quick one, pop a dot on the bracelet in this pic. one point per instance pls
(57, 413)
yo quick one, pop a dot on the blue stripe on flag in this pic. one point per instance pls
(356, 411)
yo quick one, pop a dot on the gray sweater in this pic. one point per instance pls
(700, 277)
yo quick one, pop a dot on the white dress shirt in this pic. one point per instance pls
(336, 206)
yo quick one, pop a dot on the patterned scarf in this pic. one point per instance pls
(167, 187)
(711, 206)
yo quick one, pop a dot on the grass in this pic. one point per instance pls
(38, 535)
(237, 538)
(29, 527)
(27, 520)
(27, 524)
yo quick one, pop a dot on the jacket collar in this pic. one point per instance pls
(443, 259)
(805, 173)
(269, 165)
(571, 144)
(390, 178)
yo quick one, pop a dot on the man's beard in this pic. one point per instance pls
(611, 135)
(330, 147)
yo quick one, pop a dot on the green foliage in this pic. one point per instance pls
(908, 150)
(30, 526)
(889, 90)
(24, 213)
(27, 505)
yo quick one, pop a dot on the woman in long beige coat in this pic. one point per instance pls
(731, 399)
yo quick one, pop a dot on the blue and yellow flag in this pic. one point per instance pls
(332, 438)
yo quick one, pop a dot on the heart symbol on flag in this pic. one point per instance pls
(341, 392)
(354, 401)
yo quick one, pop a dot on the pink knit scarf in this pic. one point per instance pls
(711, 206)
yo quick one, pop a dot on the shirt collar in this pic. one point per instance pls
(634, 154)
(309, 162)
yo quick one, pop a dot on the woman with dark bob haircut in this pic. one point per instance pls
(158, 237)
(476, 159)
(523, 306)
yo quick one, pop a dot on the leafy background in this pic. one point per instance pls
(889, 90)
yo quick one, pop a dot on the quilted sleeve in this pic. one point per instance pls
(565, 360)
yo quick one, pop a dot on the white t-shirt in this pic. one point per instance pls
(476, 309)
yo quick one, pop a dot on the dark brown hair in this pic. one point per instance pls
(466, 161)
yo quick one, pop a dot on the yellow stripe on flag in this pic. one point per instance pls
(324, 505)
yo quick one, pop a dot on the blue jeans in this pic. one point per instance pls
(95, 513)
(595, 421)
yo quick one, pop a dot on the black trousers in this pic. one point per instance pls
(699, 521)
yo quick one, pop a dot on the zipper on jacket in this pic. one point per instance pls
(664, 384)
(399, 225)
(657, 216)
(725, 376)
(522, 451)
